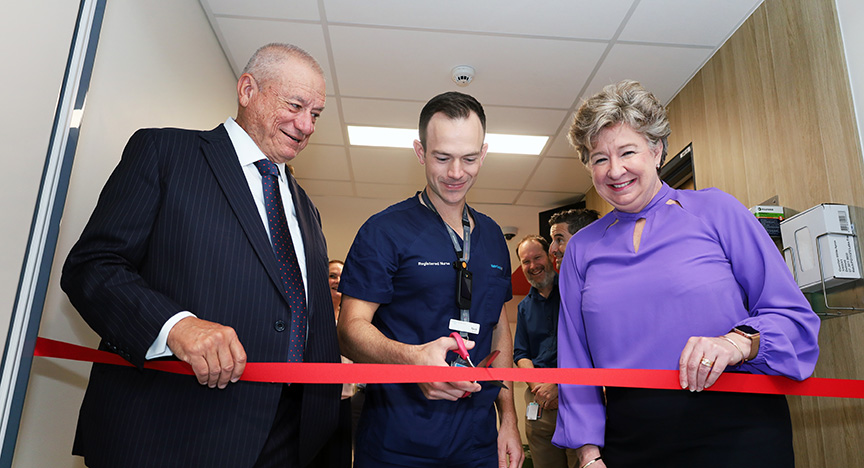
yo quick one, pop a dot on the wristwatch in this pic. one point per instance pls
(751, 333)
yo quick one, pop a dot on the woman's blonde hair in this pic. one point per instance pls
(623, 102)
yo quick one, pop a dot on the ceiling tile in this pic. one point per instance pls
(295, 10)
(510, 71)
(387, 166)
(560, 175)
(322, 162)
(525, 120)
(491, 196)
(663, 70)
(381, 112)
(560, 147)
(587, 19)
(242, 37)
(699, 22)
(505, 171)
(328, 128)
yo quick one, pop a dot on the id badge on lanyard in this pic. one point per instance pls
(464, 277)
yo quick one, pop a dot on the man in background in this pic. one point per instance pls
(400, 303)
(563, 225)
(203, 248)
(536, 345)
(334, 275)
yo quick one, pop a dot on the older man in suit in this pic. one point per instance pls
(203, 248)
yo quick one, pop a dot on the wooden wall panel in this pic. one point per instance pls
(771, 114)
(594, 202)
(830, 431)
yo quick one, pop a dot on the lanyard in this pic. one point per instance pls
(462, 256)
(466, 230)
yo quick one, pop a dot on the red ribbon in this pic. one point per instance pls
(326, 373)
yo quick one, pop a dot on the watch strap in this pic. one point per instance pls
(753, 335)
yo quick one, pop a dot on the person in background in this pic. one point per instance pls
(181, 259)
(356, 392)
(335, 267)
(335, 273)
(400, 302)
(536, 345)
(562, 226)
(672, 279)
(346, 413)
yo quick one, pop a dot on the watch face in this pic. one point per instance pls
(748, 330)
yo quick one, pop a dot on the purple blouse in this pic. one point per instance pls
(704, 266)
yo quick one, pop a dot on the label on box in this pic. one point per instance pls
(844, 256)
(843, 220)
(767, 209)
(771, 225)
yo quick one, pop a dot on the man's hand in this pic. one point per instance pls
(509, 446)
(363, 342)
(546, 395)
(434, 353)
(213, 351)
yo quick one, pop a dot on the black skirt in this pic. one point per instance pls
(679, 428)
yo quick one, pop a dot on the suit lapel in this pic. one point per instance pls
(305, 218)
(222, 159)
(316, 268)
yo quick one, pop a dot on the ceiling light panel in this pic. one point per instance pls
(404, 138)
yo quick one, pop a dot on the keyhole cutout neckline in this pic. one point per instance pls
(640, 226)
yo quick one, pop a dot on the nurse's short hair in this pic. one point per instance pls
(454, 105)
(623, 102)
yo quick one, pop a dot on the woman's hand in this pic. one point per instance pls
(705, 358)
(589, 455)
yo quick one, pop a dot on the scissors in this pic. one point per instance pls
(464, 360)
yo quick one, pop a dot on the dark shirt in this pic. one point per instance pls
(537, 328)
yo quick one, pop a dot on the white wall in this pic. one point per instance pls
(158, 64)
(851, 14)
(34, 47)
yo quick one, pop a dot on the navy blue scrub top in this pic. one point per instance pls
(402, 258)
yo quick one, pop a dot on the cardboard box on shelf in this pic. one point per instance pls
(823, 231)
(769, 217)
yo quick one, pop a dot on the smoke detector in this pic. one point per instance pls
(462, 75)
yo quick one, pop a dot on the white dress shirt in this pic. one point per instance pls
(247, 153)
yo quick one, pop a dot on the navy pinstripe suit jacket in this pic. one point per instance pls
(176, 229)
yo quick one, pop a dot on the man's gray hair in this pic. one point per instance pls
(264, 61)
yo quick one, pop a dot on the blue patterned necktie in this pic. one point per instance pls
(286, 257)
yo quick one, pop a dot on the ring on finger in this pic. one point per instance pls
(706, 362)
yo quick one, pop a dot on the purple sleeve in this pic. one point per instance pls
(787, 325)
(581, 414)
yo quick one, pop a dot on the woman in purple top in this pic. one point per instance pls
(672, 280)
